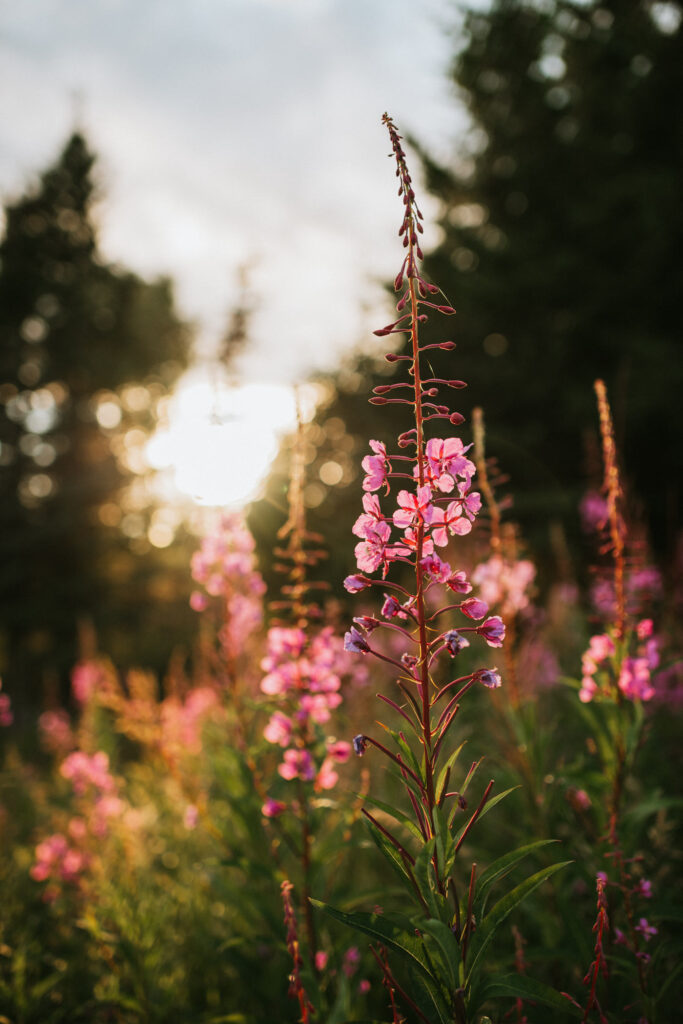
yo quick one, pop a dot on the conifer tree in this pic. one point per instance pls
(561, 248)
(86, 351)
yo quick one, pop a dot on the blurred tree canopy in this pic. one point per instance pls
(87, 350)
(561, 246)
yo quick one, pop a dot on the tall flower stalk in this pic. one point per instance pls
(433, 620)
(617, 681)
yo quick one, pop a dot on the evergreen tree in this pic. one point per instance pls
(562, 250)
(86, 351)
(563, 240)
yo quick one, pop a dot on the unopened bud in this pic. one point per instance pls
(447, 346)
(448, 310)
(377, 401)
(456, 418)
(382, 389)
(391, 358)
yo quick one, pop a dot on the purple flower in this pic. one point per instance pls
(645, 929)
(391, 608)
(354, 642)
(360, 744)
(493, 631)
(644, 889)
(455, 642)
(367, 622)
(490, 678)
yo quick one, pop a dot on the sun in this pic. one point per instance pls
(219, 440)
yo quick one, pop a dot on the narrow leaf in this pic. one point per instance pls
(495, 917)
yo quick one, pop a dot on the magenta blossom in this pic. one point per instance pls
(446, 461)
(414, 508)
(474, 608)
(493, 631)
(297, 764)
(376, 467)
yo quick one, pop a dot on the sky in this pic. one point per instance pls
(233, 132)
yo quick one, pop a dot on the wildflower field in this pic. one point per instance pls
(409, 748)
(461, 808)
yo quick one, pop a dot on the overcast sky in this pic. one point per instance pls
(231, 130)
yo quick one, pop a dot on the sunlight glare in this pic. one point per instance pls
(219, 441)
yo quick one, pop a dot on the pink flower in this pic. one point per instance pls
(634, 679)
(351, 961)
(376, 467)
(297, 764)
(354, 584)
(645, 929)
(371, 516)
(364, 986)
(198, 602)
(588, 689)
(446, 460)
(55, 731)
(273, 808)
(644, 629)
(339, 750)
(321, 959)
(493, 631)
(436, 569)
(414, 508)
(593, 509)
(474, 608)
(327, 777)
(459, 583)
(84, 680)
(450, 521)
(279, 729)
(371, 552)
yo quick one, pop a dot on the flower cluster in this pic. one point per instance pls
(305, 676)
(63, 859)
(425, 520)
(182, 721)
(224, 565)
(57, 861)
(505, 582)
(602, 668)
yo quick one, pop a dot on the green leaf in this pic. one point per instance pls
(441, 781)
(445, 844)
(425, 990)
(515, 985)
(391, 853)
(495, 917)
(448, 947)
(424, 876)
(407, 752)
(393, 812)
(395, 932)
(502, 866)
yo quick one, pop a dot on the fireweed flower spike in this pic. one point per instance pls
(440, 504)
(616, 677)
(303, 671)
